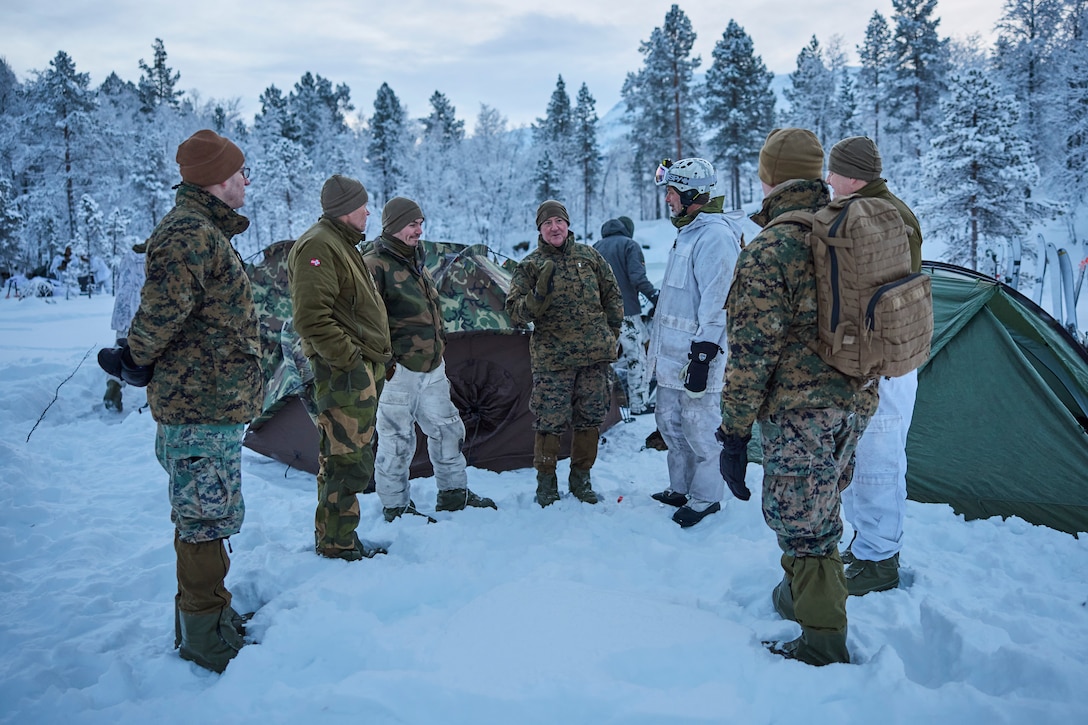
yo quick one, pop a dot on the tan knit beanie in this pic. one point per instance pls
(398, 213)
(856, 157)
(790, 153)
(207, 159)
(549, 209)
(341, 195)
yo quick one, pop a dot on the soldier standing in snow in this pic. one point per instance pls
(126, 300)
(195, 337)
(568, 291)
(875, 503)
(417, 389)
(688, 338)
(629, 267)
(810, 414)
(345, 335)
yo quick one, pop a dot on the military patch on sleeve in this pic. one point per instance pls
(315, 262)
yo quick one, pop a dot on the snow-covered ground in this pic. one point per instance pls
(573, 614)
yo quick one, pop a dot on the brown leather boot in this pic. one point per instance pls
(545, 456)
(583, 454)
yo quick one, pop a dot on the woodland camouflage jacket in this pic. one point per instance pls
(336, 309)
(411, 303)
(196, 321)
(581, 322)
(771, 319)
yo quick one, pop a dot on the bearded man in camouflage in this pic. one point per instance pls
(810, 414)
(417, 390)
(196, 327)
(345, 335)
(567, 290)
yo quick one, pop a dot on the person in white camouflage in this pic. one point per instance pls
(126, 300)
(195, 335)
(567, 290)
(687, 343)
(417, 390)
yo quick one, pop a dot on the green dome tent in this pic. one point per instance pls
(1001, 419)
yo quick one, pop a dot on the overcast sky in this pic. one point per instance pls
(503, 53)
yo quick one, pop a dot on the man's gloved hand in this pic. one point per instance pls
(698, 367)
(733, 462)
(541, 296)
(118, 362)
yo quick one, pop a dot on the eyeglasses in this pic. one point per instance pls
(245, 172)
(662, 171)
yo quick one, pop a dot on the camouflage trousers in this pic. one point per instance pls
(808, 458)
(346, 402)
(579, 397)
(204, 463)
(632, 362)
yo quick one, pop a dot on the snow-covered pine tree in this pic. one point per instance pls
(871, 90)
(388, 143)
(919, 66)
(553, 142)
(811, 94)
(586, 152)
(980, 173)
(158, 83)
(738, 107)
(11, 223)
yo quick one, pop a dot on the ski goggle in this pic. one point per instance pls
(662, 174)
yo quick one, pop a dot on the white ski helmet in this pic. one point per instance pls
(687, 175)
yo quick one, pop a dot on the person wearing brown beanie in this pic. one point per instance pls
(872, 505)
(417, 391)
(341, 320)
(810, 415)
(195, 336)
(567, 290)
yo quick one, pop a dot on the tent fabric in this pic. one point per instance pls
(487, 363)
(1000, 419)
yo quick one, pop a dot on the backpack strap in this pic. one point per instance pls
(802, 218)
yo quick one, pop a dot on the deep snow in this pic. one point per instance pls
(575, 614)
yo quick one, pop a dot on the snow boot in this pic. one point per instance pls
(209, 640)
(815, 647)
(670, 498)
(358, 549)
(545, 456)
(782, 599)
(583, 454)
(456, 499)
(394, 512)
(695, 511)
(863, 576)
(112, 398)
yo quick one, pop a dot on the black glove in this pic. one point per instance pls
(699, 366)
(653, 297)
(118, 362)
(733, 462)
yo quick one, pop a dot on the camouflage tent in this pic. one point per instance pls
(487, 362)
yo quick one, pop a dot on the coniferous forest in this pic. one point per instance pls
(988, 144)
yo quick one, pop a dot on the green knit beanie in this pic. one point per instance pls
(341, 195)
(790, 153)
(398, 213)
(549, 209)
(856, 157)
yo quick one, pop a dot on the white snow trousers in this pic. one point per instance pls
(633, 336)
(874, 504)
(417, 398)
(687, 426)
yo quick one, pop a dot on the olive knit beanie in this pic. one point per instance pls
(341, 195)
(207, 159)
(790, 153)
(856, 157)
(549, 209)
(398, 213)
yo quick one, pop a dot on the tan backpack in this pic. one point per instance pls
(875, 316)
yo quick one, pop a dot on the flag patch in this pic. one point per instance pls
(315, 262)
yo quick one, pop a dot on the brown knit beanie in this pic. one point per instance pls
(549, 209)
(856, 157)
(790, 153)
(341, 195)
(398, 213)
(207, 159)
